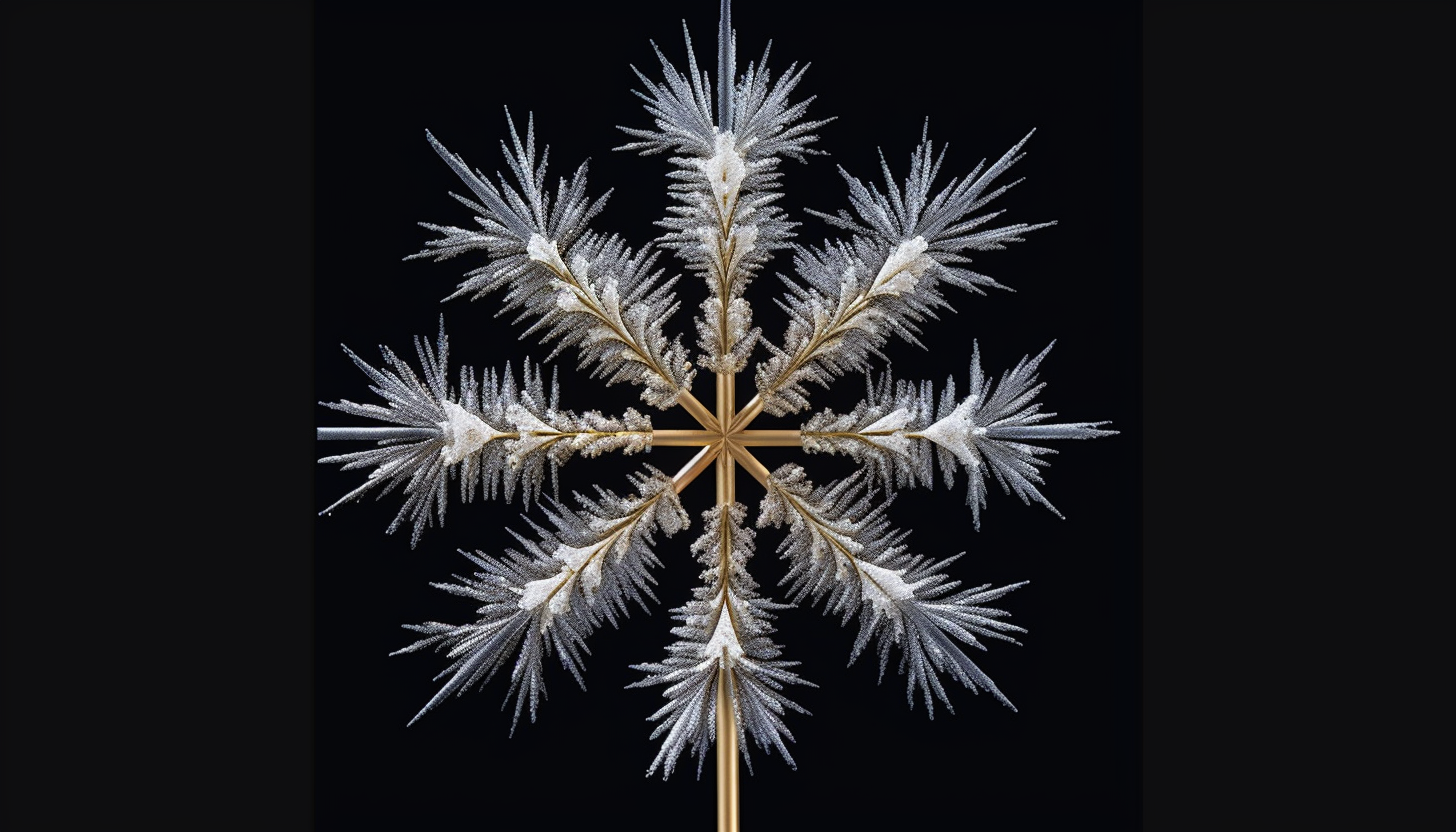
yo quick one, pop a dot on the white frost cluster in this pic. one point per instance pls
(465, 433)
(542, 250)
(725, 171)
(903, 269)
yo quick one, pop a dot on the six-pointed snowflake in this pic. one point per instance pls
(496, 434)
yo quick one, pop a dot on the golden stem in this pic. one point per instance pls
(727, 731)
(726, 495)
(768, 438)
(694, 438)
(749, 463)
(747, 414)
(699, 411)
(727, 756)
(725, 398)
(697, 465)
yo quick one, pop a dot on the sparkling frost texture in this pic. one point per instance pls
(499, 434)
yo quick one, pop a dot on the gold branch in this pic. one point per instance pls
(768, 438)
(727, 756)
(697, 465)
(699, 411)
(747, 414)
(749, 462)
(691, 438)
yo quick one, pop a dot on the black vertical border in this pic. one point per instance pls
(1298, 395)
(157, 583)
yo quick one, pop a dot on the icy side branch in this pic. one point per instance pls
(555, 591)
(492, 435)
(898, 432)
(724, 634)
(844, 555)
(581, 289)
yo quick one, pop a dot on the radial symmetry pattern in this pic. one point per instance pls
(907, 243)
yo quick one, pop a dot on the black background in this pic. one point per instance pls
(864, 757)
(180, 654)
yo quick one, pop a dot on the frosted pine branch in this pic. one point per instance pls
(898, 430)
(947, 222)
(725, 627)
(991, 428)
(884, 282)
(844, 555)
(493, 436)
(582, 289)
(725, 227)
(873, 433)
(856, 299)
(554, 592)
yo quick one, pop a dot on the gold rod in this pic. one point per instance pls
(766, 438)
(699, 411)
(726, 491)
(725, 398)
(727, 757)
(749, 463)
(727, 731)
(748, 414)
(697, 465)
(692, 438)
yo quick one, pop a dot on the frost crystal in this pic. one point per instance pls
(904, 245)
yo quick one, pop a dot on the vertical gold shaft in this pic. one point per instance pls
(727, 730)
(725, 399)
(727, 759)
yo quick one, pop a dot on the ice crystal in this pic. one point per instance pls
(532, 252)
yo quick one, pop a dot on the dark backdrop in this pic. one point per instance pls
(157, 578)
(984, 80)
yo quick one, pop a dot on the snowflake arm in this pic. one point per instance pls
(898, 430)
(725, 227)
(884, 281)
(947, 221)
(842, 318)
(552, 594)
(986, 431)
(844, 555)
(724, 638)
(723, 678)
(490, 433)
(582, 289)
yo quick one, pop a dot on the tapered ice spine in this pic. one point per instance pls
(724, 637)
(555, 591)
(493, 433)
(843, 554)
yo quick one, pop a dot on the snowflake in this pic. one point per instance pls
(497, 434)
